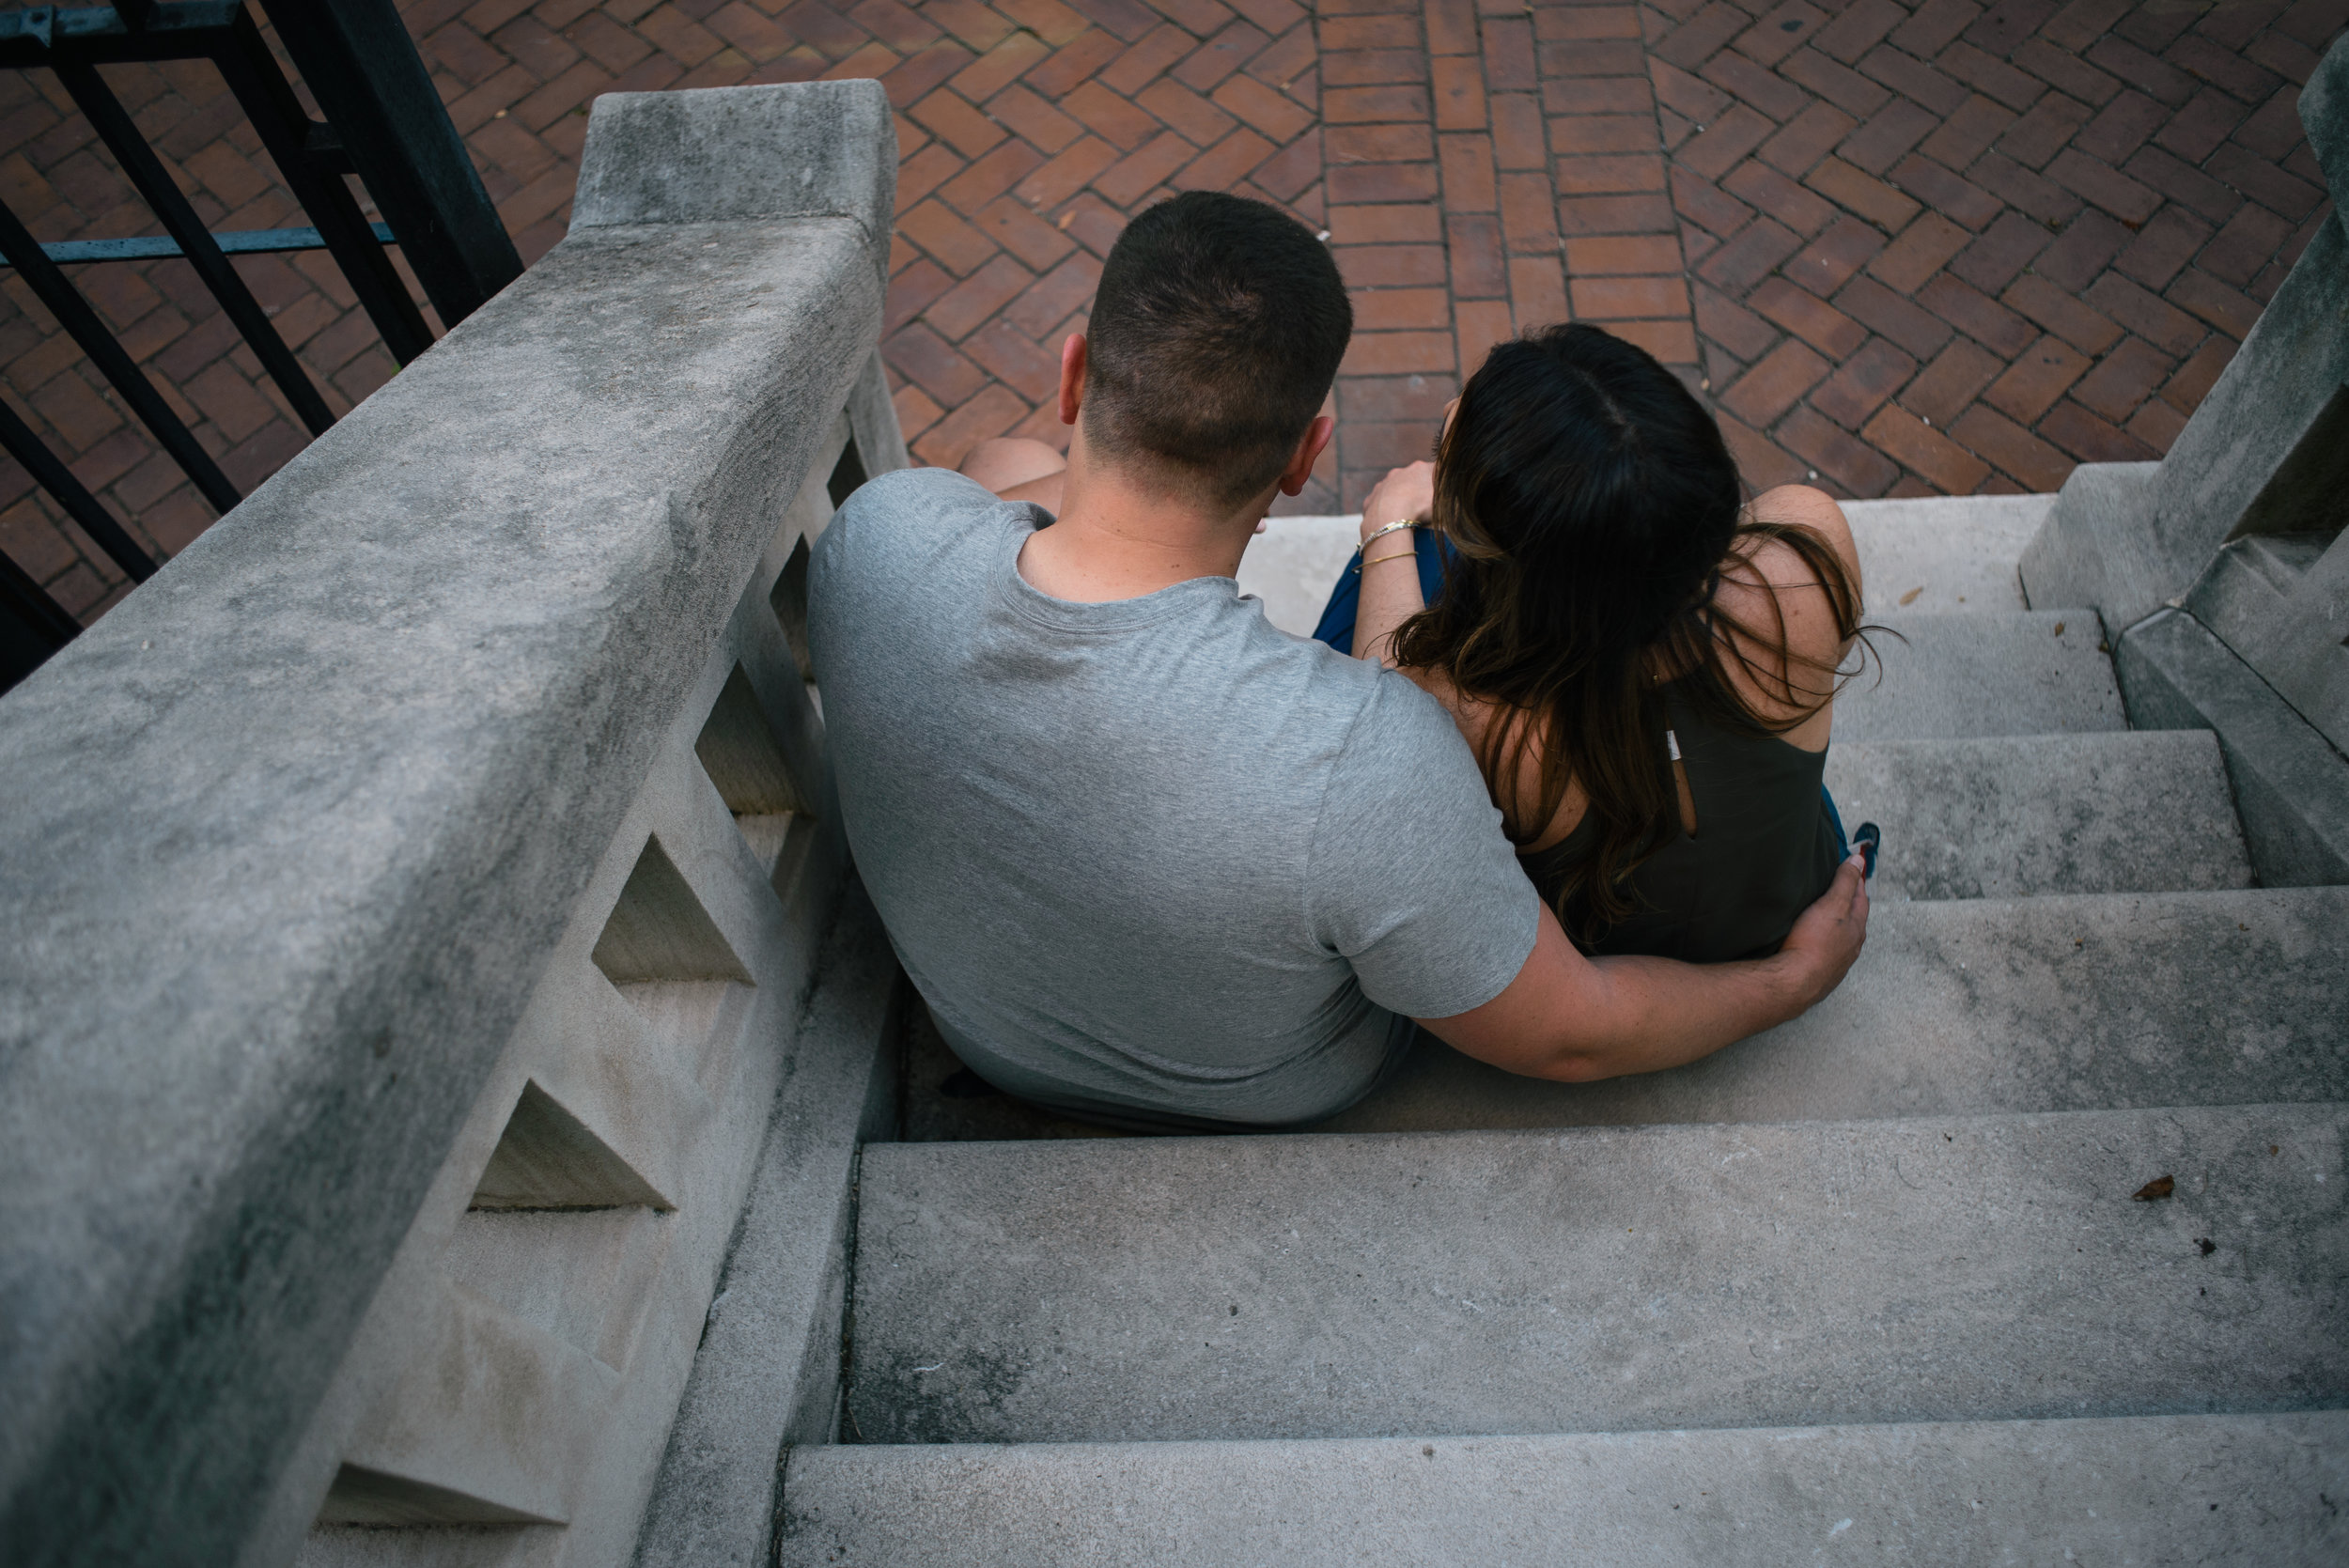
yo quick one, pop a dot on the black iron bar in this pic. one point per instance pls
(269, 103)
(133, 13)
(42, 35)
(74, 314)
(159, 247)
(32, 625)
(360, 63)
(50, 472)
(163, 195)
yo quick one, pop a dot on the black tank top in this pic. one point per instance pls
(1764, 850)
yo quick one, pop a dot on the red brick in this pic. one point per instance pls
(1052, 296)
(1674, 341)
(1577, 135)
(1861, 385)
(2200, 294)
(1537, 292)
(1732, 325)
(1469, 185)
(2150, 318)
(1117, 121)
(1031, 116)
(1762, 462)
(1394, 353)
(2131, 372)
(1775, 382)
(1838, 84)
(1807, 139)
(2192, 381)
(1378, 144)
(950, 440)
(1398, 224)
(1836, 455)
(1128, 179)
(1725, 142)
(955, 244)
(953, 121)
(1780, 197)
(1936, 459)
(2100, 183)
(1371, 105)
(966, 304)
(990, 176)
(1225, 164)
(1478, 326)
(1020, 231)
(1952, 382)
(1994, 257)
(922, 357)
(2089, 439)
(1945, 193)
(1625, 254)
(2039, 376)
(1625, 297)
(1371, 182)
(1977, 314)
(1862, 193)
(1400, 309)
(1054, 183)
(2085, 328)
(1230, 48)
(1809, 317)
(1646, 213)
(1749, 255)
(1362, 67)
(1389, 266)
(1519, 139)
(1201, 122)
(1755, 86)
(1608, 174)
(1459, 93)
(1266, 108)
(1528, 216)
(1823, 266)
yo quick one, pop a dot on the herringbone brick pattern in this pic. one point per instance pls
(1936, 247)
(1903, 247)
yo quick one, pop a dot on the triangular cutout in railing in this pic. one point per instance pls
(659, 931)
(548, 1158)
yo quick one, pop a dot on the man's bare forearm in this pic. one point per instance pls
(1656, 1012)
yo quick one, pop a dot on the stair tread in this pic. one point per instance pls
(2080, 1003)
(2209, 1489)
(1951, 677)
(1983, 1267)
(2008, 817)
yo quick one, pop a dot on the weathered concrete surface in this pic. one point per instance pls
(2282, 603)
(2098, 549)
(2291, 788)
(2037, 1004)
(2251, 1490)
(1956, 553)
(1603, 1279)
(246, 939)
(1955, 675)
(2014, 816)
(768, 1373)
(812, 149)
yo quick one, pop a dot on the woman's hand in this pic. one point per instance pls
(1406, 493)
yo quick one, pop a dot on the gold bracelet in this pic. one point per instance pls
(1398, 555)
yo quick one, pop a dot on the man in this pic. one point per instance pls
(1149, 860)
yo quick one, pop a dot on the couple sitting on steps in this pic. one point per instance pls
(1552, 792)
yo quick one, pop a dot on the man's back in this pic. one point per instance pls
(1136, 853)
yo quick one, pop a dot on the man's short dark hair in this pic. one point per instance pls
(1216, 330)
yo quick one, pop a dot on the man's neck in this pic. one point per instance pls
(1117, 538)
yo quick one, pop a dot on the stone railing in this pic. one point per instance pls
(410, 901)
(2222, 571)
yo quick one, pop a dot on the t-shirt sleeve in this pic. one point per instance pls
(1410, 878)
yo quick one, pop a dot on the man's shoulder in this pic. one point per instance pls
(906, 494)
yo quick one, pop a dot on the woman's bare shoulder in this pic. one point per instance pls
(1775, 581)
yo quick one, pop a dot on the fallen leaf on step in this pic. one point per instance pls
(1911, 596)
(2058, 629)
(2160, 1187)
(2207, 1245)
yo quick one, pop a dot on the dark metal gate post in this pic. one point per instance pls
(356, 55)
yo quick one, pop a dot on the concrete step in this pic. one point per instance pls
(2254, 1490)
(1969, 1268)
(1950, 676)
(1940, 553)
(2009, 816)
(2066, 1003)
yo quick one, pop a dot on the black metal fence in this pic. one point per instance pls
(384, 123)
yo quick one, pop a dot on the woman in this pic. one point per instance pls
(1644, 665)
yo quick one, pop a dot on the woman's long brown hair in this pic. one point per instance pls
(1596, 511)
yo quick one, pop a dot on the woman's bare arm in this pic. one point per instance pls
(1390, 593)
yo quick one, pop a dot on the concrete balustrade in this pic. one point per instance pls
(2222, 571)
(410, 903)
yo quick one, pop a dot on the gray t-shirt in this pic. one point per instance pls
(1154, 853)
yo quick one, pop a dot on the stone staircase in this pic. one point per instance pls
(1871, 1283)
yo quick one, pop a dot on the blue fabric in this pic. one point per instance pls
(1835, 820)
(1345, 600)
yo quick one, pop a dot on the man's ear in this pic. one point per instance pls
(1072, 377)
(1307, 452)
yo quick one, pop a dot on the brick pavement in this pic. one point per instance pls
(1910, 248)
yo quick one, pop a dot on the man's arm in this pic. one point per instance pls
(1576, 1019)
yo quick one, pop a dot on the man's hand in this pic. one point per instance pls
(1821, 947)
